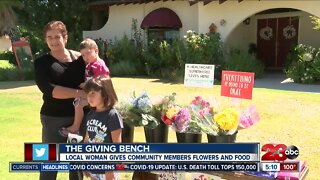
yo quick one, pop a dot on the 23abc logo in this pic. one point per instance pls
(279, 152)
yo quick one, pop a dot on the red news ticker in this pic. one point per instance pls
(289, 166)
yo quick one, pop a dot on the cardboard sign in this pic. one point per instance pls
(199, 75)
(237, 84)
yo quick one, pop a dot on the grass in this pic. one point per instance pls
(286, 117)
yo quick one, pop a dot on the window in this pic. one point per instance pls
(163, 34)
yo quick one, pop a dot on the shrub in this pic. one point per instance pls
(204, 48)
(8, 55)
(303, 64)
(8, 72)
(124, 50)
(123, 68)
(163, 59)
(167, 60)
(239, 60)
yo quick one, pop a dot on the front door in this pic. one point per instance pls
(275, 37)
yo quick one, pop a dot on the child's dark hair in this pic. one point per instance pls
(104, 84)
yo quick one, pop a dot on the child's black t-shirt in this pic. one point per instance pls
(100, 124)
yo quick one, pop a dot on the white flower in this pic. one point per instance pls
(307, 57)
(144, 122)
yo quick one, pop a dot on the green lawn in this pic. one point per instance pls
(286, 117)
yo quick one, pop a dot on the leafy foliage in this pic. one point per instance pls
(303, 64)
(316, 22)
(37, 13)
(8, 55)
(8, 72)
(167, 60)
(8, 17)
(123, 68)
(239, 60)
(124, 58)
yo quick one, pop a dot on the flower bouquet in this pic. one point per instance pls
(220, 124)
(178, 118)
(173, 115)
(138, 111)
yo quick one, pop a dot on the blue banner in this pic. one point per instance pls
(102, 167)
(54, 167)
(161, 148)
(21, 166)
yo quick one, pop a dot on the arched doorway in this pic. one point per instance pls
(275, 38)
(272, 33)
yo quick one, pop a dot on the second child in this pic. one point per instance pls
(103, 122)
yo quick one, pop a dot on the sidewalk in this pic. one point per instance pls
(278, 80)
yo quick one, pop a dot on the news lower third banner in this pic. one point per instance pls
(139, 157)
(168, 152)
(159, 152)
(66, 167)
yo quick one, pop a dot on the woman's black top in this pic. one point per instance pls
(49, 72)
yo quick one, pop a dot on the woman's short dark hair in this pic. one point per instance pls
(55, 25)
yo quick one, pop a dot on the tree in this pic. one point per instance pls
(37, 13)
(8, 17)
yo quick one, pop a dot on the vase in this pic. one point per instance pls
(158, 134)
(188, 137)
(222, 138)
(127, 133)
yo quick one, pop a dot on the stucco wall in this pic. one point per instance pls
(5, 44)
(234, 12)
(198, 17)
(307, 35)
(120, 18)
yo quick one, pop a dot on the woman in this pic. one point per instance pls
(58, 75)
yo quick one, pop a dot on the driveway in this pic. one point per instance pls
(278, 80)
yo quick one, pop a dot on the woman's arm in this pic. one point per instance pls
(60, 92)
(116, 136)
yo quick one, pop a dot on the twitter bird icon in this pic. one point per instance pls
(40, 152)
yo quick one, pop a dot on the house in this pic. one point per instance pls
(269, 27)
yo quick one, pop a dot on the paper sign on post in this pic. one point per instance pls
(237, 84)
(199, 75)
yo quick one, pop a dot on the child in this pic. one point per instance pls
(95, 67)
(103, 122)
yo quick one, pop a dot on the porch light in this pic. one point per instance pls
(246, 21)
